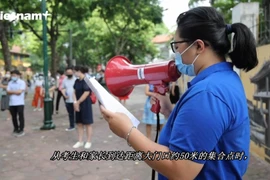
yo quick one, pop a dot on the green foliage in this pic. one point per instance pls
(101, 29)
(116, 30)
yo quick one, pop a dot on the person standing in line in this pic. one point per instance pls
(59, 89)
(16, 89)
(83, 107)
(149, 118)
(4, 94)
(67, 92)
(38, 99)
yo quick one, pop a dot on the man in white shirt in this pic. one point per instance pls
(16, 90)
(67, 91)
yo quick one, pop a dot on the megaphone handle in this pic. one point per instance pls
(156, 107)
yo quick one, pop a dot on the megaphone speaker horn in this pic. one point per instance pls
(121, 76)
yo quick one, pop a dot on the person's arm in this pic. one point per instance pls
(52, 88)
(74, 96)
(63, 91)
(83, 97)
(16, 92)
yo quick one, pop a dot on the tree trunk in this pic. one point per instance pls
(5, 48)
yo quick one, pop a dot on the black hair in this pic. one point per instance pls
(207, 24)
(61, 72)
(15, 72)
(82, 69)
(69, 68)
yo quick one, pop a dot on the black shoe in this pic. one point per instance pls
(19, 134)
(15, 132)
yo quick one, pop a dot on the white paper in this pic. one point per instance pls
(108, 101)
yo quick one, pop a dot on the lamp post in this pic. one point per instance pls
(48, 122)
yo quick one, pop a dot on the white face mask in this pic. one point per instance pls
(7, 75)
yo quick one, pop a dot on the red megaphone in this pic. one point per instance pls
(121, 77)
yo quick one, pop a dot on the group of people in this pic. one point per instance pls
(71, 86)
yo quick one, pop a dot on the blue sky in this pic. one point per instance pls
(174, 8)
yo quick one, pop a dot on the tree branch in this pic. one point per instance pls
(107, 24)
(31, 29)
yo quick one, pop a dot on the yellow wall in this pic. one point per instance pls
(263, 53)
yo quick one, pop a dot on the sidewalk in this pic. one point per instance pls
(28, 157)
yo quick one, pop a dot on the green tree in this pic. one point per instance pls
(126, 19)
(61, 12)
(108, 33)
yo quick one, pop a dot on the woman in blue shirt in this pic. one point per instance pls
(209, 126)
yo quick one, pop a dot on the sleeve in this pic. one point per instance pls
(86, 87)
(199, 124)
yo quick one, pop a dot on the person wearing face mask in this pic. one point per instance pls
(16, 89)
(207, 132)
(37, 101)
(67, 91)
(60, 86)
(4, 94)
(83, 107)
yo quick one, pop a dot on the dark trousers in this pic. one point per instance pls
(71, 113)
(59, 95)
(16, 111)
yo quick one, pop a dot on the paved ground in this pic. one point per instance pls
(28, 157)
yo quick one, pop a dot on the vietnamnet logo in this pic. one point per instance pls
(23, 16)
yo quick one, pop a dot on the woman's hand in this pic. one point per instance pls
(119, 123)
(76, 106)
(165, 103)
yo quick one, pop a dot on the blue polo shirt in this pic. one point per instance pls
(210, 125)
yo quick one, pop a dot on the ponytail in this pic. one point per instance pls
(244, 54)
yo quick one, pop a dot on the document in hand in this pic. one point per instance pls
(108, 101)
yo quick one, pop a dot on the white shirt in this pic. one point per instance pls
(68, 86)
(16, 100)
(38, 82)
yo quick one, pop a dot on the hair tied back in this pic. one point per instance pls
(229, 29)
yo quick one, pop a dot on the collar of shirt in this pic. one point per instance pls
(222, 66)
